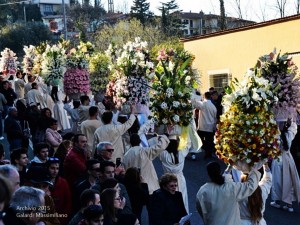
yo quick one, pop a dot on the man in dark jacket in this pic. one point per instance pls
(13, 129)
(9, 94)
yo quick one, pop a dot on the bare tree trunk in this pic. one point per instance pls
(262, 11)
(280, 5)
(223, 18)
(297, 4)
(238, 8)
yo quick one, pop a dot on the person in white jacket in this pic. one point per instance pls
(217, 200)
(253, 207)
(142, 157)
(286, 182)
(173, 162)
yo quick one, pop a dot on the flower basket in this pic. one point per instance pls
(245, 167)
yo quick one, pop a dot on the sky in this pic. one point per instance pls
(256, 10)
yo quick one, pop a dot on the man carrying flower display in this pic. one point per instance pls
(206, 123)
(113, 133)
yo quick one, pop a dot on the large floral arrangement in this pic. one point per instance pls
(172, 86)
(281, 71)
(76, 81)
(99, 72)
(28, 60)
(78, 57)
(8, 62)
(76, 78)
(131, 69)
(247, 131)
(53, 64)
(38, 59)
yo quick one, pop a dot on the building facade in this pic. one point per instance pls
(200, 23)
(50, 7)
(222, 56)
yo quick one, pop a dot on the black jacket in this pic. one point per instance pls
(13, 128)
(166, 208)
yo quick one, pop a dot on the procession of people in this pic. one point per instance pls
(93, 158)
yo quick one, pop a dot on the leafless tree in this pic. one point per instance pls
(297, 5)
(237, 7)
(223, 16)
(262, 12)
(281, 7)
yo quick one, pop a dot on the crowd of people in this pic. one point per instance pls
(92, 164)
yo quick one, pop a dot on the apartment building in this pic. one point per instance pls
(50, 7)
(200, 23)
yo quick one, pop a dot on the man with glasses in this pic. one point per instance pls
(93, 173)
(113, 133)
(104, 151)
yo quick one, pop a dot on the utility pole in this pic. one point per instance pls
(65, 20)
(24, 9)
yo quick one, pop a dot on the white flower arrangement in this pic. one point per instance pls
(28, 60)
(131, 61)
(53, 64)
(252, 92)
(8, 62)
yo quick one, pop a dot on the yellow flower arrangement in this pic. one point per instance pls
(247, 131)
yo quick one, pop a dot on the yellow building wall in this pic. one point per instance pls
(238, 51)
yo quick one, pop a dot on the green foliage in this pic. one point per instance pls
(170, 21)
(15, 36)
(125, 31)
(140, 11)
(172, 42)
(85, 14)
(33, 13)
(99, 70)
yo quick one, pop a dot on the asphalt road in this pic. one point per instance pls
(195, 174)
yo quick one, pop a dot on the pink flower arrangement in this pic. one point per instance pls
(281, 71)
(76, 81)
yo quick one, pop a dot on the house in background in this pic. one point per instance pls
(50, 7)
(200, 23)
(228, 54)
